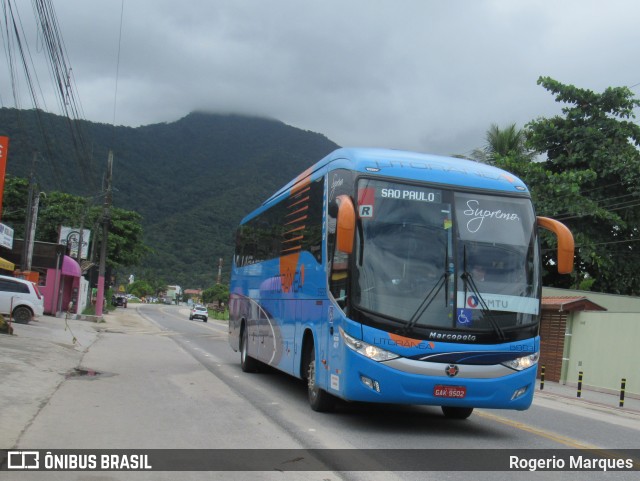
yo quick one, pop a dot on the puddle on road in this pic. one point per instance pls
(82, 373)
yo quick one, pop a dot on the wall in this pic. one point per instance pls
(605, 345)
(83, 295)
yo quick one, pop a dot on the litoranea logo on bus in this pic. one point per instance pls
(406, 342)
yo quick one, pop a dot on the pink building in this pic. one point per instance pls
(61, 286)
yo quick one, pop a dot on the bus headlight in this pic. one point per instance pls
(367, 350)
(523, 362)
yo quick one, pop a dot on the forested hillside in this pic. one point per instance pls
(191, 180)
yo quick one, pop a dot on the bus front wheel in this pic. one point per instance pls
(247, 363)
(319, 399)
(453, 412)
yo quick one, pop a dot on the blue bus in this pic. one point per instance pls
(395, 277)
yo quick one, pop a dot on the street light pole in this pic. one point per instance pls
(106, 219)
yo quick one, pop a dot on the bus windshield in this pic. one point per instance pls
(434, 258)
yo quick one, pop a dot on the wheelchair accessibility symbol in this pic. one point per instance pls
(465, 317)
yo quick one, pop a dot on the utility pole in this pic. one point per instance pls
(29, 228)
(32, 235)
(79, 256)
(106, 219)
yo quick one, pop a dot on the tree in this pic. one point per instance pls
(158, 285)
(58, 208)
(597, 145)
(16, 192)
(500, 143)
(140, 288)
(219, 293)
(126, 246)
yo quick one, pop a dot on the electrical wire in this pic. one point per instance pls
(61, 74)
(15, 47)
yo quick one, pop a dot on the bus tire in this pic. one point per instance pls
(247, 363)
(454, 412)
(319, 399)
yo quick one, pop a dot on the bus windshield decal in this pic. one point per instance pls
(478, 215)
(422, 195)
(493, 219)
(499, 302)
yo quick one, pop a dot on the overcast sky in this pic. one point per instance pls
(422, 75)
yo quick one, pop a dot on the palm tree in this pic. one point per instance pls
(502, 143)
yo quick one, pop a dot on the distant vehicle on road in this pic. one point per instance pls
(21, 299)
(199, 312)
(119, 301)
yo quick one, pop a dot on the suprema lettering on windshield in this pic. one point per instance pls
(478, 215)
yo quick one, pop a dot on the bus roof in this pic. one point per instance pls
(409, 166)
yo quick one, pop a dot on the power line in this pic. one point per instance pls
(61, 74)
(14, 33)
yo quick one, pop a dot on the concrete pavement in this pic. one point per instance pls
(45, 354)
(147, 393)
(34, 362)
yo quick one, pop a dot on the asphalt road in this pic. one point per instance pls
(549, 424)
(164, 382)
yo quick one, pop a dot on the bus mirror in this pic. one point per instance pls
(565, 243)
(346, 224)
(333, 208)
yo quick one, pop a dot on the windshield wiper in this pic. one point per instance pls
(433, 293)
(426, 302)
(468, 281)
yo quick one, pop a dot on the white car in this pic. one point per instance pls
(199, 312)
(21, 299)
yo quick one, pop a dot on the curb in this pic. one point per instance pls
(588, 403)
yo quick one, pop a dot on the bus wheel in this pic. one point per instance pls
(319, 400)
(453, 412)
(247, 363)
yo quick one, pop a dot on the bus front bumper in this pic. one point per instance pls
(405, 381)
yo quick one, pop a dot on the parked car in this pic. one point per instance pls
(119, 301)
(21, 299)
(199, 312)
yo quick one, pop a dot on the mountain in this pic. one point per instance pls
(192, 180)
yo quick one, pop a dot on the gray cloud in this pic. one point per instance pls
(414, 74)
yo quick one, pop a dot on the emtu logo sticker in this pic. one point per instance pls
(472, 301)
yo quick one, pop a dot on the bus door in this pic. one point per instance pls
(289, 317)
(312, 313)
